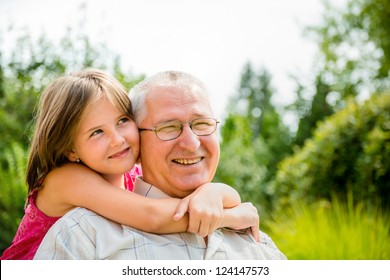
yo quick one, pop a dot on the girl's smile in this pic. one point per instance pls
(120, 154)
(107, 140)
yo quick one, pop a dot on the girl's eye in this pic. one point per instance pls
(123, 120)
(96, 132)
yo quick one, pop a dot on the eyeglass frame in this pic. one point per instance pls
(161, 125)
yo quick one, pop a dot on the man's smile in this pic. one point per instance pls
(187, 161)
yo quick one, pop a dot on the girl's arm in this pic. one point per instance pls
(74, 185)
(243, 216)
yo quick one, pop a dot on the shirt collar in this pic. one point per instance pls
(148, 190)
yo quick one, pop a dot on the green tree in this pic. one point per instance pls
(354, 60)
(243, 163)
(254, 139)
(355, 47)
(319, 110)
(2, 93)
(349, 153)
(254, 103)
(375, 19)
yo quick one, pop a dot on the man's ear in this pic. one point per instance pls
(72, 156)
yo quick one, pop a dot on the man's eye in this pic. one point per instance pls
(201, 125)
(169, 128)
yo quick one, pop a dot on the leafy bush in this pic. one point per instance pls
(13, 193)
(350, 151)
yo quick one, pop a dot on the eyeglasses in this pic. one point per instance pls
(173, 129)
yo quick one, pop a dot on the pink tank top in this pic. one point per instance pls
(35, 224)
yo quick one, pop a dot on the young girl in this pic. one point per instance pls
(83, 153)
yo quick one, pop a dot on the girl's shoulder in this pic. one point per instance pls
(30, 233)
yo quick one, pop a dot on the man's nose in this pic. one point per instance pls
(188, 139)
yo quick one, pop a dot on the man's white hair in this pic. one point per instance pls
(167, 79)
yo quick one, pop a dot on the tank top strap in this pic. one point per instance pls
(130, 177)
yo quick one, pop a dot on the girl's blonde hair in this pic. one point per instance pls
(61, 107)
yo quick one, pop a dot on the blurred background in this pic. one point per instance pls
(302, 89)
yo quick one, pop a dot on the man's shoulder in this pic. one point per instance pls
(76, 214)
(250, 248)
(79, 212)
(273, 250)
(81, 217)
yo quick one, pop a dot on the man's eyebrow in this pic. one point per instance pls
(168, 121)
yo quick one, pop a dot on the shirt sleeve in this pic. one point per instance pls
(71, 238)
(269, 246)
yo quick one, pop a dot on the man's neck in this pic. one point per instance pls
(145, 189)
(148, 190)
(115, 180)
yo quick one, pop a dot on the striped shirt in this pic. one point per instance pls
(82, 234)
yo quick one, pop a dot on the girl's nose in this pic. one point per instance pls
(117, 139)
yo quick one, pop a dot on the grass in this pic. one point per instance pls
(333, 230)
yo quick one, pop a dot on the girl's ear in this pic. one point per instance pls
(72, 156)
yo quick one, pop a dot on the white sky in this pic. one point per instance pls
(211, 39)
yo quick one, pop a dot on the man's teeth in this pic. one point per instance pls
(187, 161)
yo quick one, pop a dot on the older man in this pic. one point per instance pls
(179, 152)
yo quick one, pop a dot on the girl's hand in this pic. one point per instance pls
(205, 208)
(243, 216)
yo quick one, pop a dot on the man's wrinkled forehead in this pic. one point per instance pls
(180, 92)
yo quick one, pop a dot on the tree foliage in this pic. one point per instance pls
(349, 152)
(254, 139)
(319, 110)
(353, 62)
(354, 47)
(13, 192)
